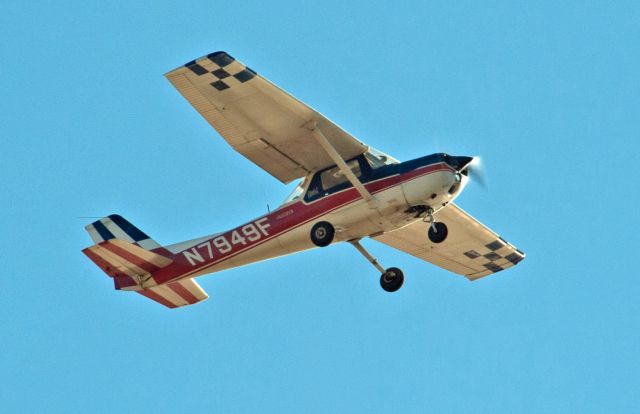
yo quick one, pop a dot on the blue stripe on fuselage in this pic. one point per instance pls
(369, 174)
(404, 167)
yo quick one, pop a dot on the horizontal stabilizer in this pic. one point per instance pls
(176, 294)
(129, 265)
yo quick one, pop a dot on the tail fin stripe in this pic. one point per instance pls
(116, 261)
(154, 296)
(107, 267)
(130, 257)
(146, 255)
(170, 295)
(93, 233)
(117, 231)
(152, 245)
(125, 283)
(135, 233)
(103, 231)
(182, 291)
(194, 288)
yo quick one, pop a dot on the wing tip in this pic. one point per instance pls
(220, 57)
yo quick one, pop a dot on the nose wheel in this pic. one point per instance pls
(391, 279)
(438, 231)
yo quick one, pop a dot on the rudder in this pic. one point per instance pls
(117, 227)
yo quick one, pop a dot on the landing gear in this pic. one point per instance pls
(322, 233)
(391, 279)
(438, 231)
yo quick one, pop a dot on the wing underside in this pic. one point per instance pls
(470, 249)
(261, 121)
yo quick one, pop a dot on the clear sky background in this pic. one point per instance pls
(547, 92)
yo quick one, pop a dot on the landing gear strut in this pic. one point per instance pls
(438, 231)
(391, 279)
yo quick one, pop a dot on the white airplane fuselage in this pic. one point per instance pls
(287, 229)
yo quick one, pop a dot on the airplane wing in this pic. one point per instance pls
(470, 249)
(259, 120)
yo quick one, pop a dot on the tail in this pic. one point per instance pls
(131, 258)
(117, 227)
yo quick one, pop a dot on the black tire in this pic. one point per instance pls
(392, 279)
(440, 235)
(322, 233)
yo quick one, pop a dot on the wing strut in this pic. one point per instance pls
(333, 154)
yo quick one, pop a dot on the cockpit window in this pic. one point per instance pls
(334, 177)
(297, 193)
(332, 180)
(374, 161)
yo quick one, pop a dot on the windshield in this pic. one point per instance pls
(379, 159)
(296, 194)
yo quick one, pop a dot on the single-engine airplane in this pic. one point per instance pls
(348, 191)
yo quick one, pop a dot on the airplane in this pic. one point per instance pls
(347, 191)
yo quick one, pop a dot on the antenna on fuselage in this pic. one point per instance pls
(264, 194)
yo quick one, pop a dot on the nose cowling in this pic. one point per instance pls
(457, 163)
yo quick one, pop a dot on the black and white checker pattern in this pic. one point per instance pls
(221, 70)
(494, 261)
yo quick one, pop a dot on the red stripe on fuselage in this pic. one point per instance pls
(301, 213)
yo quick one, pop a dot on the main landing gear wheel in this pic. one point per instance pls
(322, 233)
(392, 279)
(438, 232)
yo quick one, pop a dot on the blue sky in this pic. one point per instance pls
(547, 92)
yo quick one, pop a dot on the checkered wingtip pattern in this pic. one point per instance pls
(221, 70)
(496, 256)
(471, 249)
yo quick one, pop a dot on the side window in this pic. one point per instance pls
(313, 191)
(333, 177)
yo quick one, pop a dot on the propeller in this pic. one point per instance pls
(476, 172)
